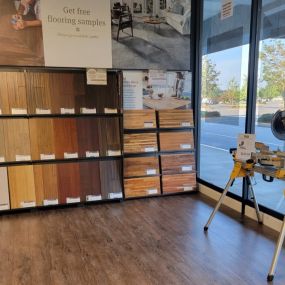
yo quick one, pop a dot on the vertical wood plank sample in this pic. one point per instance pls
(42, 137)
(90, 184)
(46, 186)
(65, 136)
(68, 176)
(176, 141)
(179, 183)
(135, 143)
(4, 189)
(12, 91)
(139, 119)
(175, 118)
(17, 138)
(87, 135)
(2, 140)
(110, 176)
(22, 186)
(140, 166)
(140, 187)
(177, 163)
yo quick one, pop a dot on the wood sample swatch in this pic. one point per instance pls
(140, 187)
(87, 135)
(17, 138)
(4, 190)
(110, 176)
(46, 184)
(176, 141)
(42, 137)
(139, 119)
(12, 91)
(68, 176)
(22, 186)
(90, 184)
(175, 118)
(135, 143)
(140, 166)
(65, 136)
(177, 163)
(178, 183)
(2, 141)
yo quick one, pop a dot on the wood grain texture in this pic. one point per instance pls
(176, 141)
(12, 91)
(139, 166)
(140, 187)
(4, 190)
(68, 175)
(42, 137)
(178, 183)
(87, 135)
(2, 140)
(21, 185)
(90, 183)
(175, 118)
(17, 138)
(110, 176)
(65, 136)
(135, 143)
(46, 183)
(174, 163)
(139, 119)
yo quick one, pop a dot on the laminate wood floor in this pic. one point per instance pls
(148, 241)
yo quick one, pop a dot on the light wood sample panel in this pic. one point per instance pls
(22, 186)
(139, 119)
(135, 143)
(140, 166)
(178, 183)
(177, 163)
(4, 189)
(140, 187)
(175, 141)
(175, 118)
(2, 141)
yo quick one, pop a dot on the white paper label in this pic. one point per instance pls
(67, 111)
(246, 146)
(88, 111)
(186, 124)
(43, 111)
(151, 171)
(115, 195)
(96, 76)
(187, 168)
(70, 155)
(110, 111)
(20, 157)
(0, 112)
(90, 198)
(18, 111)
(28, 204)
(50, 202)
(152, 191)
(149, 149)
(92, 154)
(47, 156)
(72, 200)
(2, 159)
(113, 152)
(187, 188)
(148, 124)
(185, 146)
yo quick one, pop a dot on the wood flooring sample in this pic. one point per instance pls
(179, 183)
(2, 142)
(22, 186)
(140, 187)
(136, 143)
(176, 141)
(4, 190)
(46, 184)
(139, 119)
(177, 163)
(175, 118)
(17, 139)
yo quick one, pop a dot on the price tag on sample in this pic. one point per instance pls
(187, 168)
(67, 111)
(2, 159)
(116, 195)
(152, 191)
(19, 111)
(50, 202)
(187, 188)
(110, 111)
(148, 124)
(88, 111)
(96, 76)
(0, 112)
(29, 204)
(47, 156)
(72, 200)
(113, 152)
(70, 155)
(186, 124)
(149, 149)
(150, 171)
(92, 154)
(43, 111)
(185, 146)
(20, 157)
(90, 198)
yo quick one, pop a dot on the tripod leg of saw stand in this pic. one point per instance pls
(219, 203)
(250, 188)
(278, 247)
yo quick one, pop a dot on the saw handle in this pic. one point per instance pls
(267, 178)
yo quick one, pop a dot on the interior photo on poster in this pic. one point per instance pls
(151, 34)
(21, 40)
